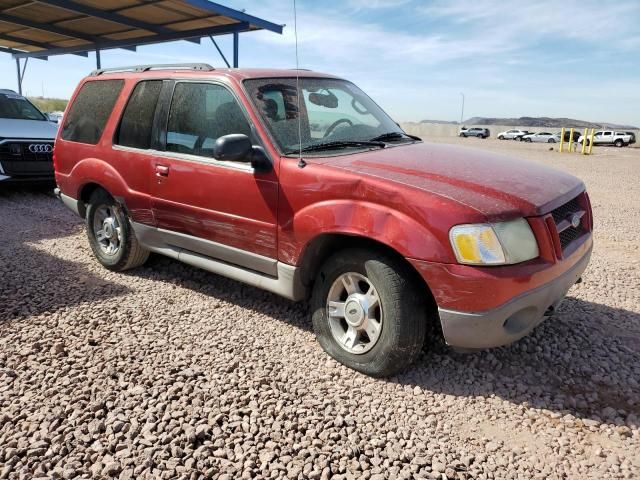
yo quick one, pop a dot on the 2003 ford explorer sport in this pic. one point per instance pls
(321, 196)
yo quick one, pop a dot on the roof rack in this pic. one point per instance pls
(145, 68)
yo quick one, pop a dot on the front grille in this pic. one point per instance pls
(17, 160)
(562, 215)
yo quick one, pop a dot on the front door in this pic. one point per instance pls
(227, 204)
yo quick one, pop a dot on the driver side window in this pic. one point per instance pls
(199, 114)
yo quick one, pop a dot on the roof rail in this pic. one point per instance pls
(145, 68)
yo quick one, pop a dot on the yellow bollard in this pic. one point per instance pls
(591, 142)
(571, 140)
(561, 139)
(584, 140)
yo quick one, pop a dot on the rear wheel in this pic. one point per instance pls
(368, 312)
(110, 235)
(619, 143)
(551, 140)
(519, 139)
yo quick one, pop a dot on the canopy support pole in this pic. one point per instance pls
(219, 51)
(19, 76)
(98, 62)
(236, 37)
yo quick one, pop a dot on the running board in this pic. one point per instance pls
(286, 283)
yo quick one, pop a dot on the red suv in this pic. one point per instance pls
(298, 183)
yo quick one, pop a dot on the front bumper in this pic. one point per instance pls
(514, 319)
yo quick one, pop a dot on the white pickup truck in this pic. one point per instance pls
(609, 137)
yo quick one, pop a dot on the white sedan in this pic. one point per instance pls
(512, 134)
(542, 137)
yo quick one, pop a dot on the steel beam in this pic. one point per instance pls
(218, 9)
(106, 15)
(47, 27)
(169, 37)
(31, 43)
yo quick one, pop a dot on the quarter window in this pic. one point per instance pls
(90, 111)
(200, 113)
(137, 121)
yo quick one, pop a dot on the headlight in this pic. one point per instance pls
(494, 243)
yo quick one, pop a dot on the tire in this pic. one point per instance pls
(401, 309)
(619, 143)
(464, 135)
(500, 137)
(519, 139)
(116, 250)
(551, 140)
(527, 140)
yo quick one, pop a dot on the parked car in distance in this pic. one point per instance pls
(55, 117)
(567, 135)
(322, 198)
(609, 137)
(512, 134)
(26, 141)
(632, 136)
(541, 137)
(475, 132)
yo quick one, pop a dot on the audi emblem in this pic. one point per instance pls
(40, 148)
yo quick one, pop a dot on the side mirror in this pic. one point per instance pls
(235, 147)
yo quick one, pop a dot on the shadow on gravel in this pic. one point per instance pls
(33, 281)
(582, 362)
(161, 268)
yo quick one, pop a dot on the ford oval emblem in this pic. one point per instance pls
(575, 220)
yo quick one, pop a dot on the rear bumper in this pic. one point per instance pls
(514, 319)
(70, 202)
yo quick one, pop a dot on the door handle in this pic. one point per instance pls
(162, 170)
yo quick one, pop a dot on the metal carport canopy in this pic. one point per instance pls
(42, 28)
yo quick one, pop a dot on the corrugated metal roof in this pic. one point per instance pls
(52, 27)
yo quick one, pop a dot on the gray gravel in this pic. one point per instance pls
(171, 372)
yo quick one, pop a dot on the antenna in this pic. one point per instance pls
(301, 163)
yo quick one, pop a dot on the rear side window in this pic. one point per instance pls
(137, 121)
(90, 110)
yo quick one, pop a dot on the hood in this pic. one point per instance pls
(495, 185)
(35, 129)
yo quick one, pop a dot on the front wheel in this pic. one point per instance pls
(500, 137)
(527, 140)
(551, 140)
(368, 312)
(110, 235)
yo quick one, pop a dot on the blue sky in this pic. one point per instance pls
(577, 59)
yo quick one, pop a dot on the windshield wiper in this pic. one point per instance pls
(393, 136)
(337, 145)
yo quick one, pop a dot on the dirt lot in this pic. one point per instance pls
(170, 372)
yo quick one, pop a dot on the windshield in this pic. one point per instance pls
(331, 112)
(18, 108)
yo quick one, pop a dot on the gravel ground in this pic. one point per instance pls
(171, 372)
